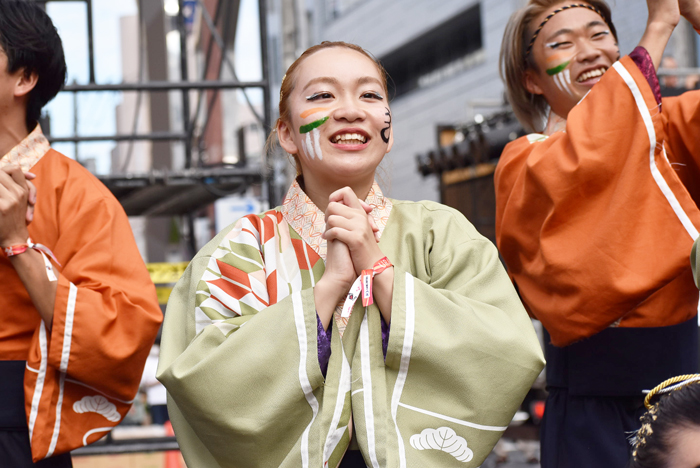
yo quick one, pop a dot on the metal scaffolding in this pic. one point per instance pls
(198, 185)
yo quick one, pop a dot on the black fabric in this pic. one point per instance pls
(12, 414)
(353, 459)
(587, 432)
(15, 451)
(623, 361)
(159, 414)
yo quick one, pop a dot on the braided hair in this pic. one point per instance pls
(677, 410)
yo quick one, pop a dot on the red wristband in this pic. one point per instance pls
(381, 265)
(368, 278)
(21, 248)
(13, 250)
(363, 287)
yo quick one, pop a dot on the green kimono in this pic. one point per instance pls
(240, 361)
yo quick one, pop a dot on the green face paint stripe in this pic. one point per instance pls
(308, 127)
(559, 69)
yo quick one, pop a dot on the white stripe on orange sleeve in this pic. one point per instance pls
(656, 174)
(39, 386)
(65, 355)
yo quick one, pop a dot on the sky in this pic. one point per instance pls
(96, 110)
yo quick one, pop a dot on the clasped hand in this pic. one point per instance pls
(17, 200)
(352, 237)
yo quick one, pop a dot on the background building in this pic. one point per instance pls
(442, 58)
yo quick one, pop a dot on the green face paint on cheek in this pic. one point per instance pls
(558, 69)
(315, 124)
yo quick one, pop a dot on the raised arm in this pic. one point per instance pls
(690, 9)
(662, 20)
(570, 212)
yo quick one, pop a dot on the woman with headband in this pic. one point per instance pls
(596, 216)
(344, 327)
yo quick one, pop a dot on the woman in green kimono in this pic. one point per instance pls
(269, 357)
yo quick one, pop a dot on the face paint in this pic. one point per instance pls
(388, 122)
(560, 73)
(315, 124)
(308, 112)
(312, 144)
(563, 81)
(558, 69)
(312, 141)
(308, 146)
(317, 143)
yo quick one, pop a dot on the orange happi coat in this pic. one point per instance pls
(596, 223)
(81, 375)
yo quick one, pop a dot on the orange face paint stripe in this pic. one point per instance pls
(308, 112)
(558, 57)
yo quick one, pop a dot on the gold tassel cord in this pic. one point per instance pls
(666, 383)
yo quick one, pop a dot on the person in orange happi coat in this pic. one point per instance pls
(78, 312)
(596, 216)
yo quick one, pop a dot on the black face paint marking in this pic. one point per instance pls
(384, 137)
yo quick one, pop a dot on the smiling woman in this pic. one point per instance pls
(269, 357)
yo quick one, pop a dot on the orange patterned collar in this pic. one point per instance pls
(308, 220)
(28, 152)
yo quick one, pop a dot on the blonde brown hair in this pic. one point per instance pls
(289, 81)
(530, 109)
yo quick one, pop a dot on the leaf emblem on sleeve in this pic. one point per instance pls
(444, 439)
(97, 404)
